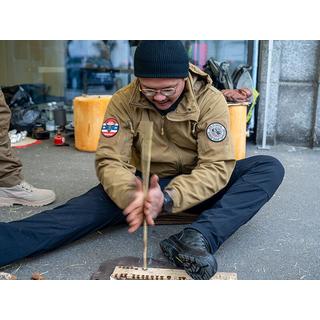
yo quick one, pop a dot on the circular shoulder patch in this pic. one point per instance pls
(216, 132)
(110, 127)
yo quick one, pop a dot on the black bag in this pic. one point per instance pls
(24, 118)
(219, 73)
(241, 77)
(24, 114)
(17, 96)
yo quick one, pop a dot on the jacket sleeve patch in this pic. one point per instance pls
(110, 127)
(216, 132)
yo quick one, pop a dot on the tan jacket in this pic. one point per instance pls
(182, 143)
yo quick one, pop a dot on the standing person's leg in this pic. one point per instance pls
(10, 165)
(52, 228)
(13, 190)
(253, 182)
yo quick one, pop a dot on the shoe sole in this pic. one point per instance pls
(9, 202)
(170, 252)
(199, 268)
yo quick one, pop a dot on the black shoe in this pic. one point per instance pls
(190, 250)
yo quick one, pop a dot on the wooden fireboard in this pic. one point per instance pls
(138, 273)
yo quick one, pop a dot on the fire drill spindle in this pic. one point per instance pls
(145, 164)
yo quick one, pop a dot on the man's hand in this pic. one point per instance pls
(148, 208)
(134, 211)
(154, 200)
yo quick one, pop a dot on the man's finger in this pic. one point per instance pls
(149, 220)
(132, 206)
(134, 222)
(147, 207)
(134, 227)
(154, 181)
(134, 214)
(130, 218)
(139, 184)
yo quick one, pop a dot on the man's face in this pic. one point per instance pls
(162, 92)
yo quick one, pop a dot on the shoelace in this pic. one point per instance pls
(25, 185)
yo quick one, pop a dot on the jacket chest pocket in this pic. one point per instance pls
(138, 137)
(183, 134)
(203, 142)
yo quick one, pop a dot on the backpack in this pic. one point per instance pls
(219, 73)
(241, 77)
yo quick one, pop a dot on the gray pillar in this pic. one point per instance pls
(316, 116)
(274, 88)
(294, 108)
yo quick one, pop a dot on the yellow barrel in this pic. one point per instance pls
(89, 114)
(238, 118)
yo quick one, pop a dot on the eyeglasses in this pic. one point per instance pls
(167, 92)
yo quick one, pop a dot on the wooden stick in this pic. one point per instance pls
(145, 164)
(145, 244)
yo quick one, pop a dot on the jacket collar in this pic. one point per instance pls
(188, 108)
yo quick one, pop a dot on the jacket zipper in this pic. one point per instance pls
(162, 125)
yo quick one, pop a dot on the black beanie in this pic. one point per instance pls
(161, 59)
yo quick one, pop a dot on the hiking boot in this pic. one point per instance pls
(25, 194)
(191, 251)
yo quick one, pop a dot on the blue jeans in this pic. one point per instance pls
(253, 182)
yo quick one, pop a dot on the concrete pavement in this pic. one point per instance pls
(280, 242)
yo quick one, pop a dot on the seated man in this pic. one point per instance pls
(192, 165)
(13, 190)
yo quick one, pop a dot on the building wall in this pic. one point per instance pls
(293, 111)
(33, 61)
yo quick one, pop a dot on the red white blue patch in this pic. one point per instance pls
(110, 127)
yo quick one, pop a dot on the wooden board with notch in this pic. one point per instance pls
(138, 273)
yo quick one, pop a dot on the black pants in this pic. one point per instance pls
(252, 184)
